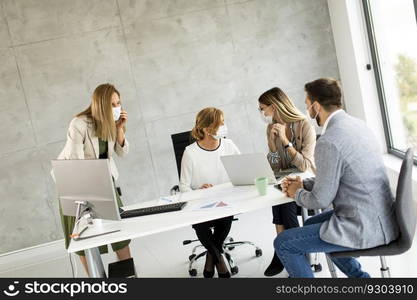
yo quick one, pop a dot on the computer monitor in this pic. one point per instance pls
(86, 180)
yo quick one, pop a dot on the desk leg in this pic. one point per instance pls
(94, 263)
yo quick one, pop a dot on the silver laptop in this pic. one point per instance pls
(244, 168)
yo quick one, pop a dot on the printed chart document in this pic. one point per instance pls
(211, 205)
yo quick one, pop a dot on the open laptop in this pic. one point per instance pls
(244, 168)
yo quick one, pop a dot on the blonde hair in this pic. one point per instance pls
(210, 118)
(100, 112)
(282, 104)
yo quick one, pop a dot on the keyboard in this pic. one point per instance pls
(152, 210)
(278, 187)
(282, 173)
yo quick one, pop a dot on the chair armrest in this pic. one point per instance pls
(175, 189)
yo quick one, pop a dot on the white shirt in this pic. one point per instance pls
(200, 166)
(328, 119)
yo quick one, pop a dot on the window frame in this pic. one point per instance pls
(378, 79)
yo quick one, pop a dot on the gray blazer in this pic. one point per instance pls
(351, 175)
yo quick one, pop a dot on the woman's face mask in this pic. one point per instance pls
(116, 112)
(264, 117)
(221, 132)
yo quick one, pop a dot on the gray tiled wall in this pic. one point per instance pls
(168, 58)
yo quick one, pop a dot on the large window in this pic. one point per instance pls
(392, 31)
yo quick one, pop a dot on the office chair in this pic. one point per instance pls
(305, 213)
(179, 142)
(313, 258)
(406, 214)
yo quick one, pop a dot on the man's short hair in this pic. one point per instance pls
(326, 91)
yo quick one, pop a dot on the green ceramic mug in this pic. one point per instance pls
(261, 184)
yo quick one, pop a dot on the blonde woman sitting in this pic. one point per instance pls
(201, 168)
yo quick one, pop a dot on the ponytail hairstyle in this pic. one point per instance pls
(209, 118)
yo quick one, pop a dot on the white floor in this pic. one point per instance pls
(163, 255)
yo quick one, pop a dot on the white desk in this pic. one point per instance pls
(241, 199)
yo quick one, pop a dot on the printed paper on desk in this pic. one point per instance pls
(212, 205)
(169, 199)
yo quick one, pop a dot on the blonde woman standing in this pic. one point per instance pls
(201, 168)
(96, 133)
(291, 142)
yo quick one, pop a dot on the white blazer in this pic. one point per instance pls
(82, 143)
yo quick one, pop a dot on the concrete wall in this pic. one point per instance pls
(169, 59)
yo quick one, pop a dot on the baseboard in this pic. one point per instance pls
(33, 255)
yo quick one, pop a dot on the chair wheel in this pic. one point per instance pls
(191, 257)
(317, 268)
(258, 252)
(192, 272)
(234, 270)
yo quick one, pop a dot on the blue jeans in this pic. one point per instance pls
(293, 244)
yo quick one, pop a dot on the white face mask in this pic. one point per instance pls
(116, 112)
(266, 119)
(221, 132)
(312, 120)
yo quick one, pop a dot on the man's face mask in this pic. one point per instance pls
(316, 115)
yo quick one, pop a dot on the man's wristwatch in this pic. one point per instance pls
(289, 145)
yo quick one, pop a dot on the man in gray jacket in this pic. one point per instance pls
(351, 177)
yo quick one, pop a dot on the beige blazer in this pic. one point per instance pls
(82, 143)
(305, 136)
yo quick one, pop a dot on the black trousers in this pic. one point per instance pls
(212, 235)
(285, 214)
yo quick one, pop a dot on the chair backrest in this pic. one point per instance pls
(179, 142)
(405, 208)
